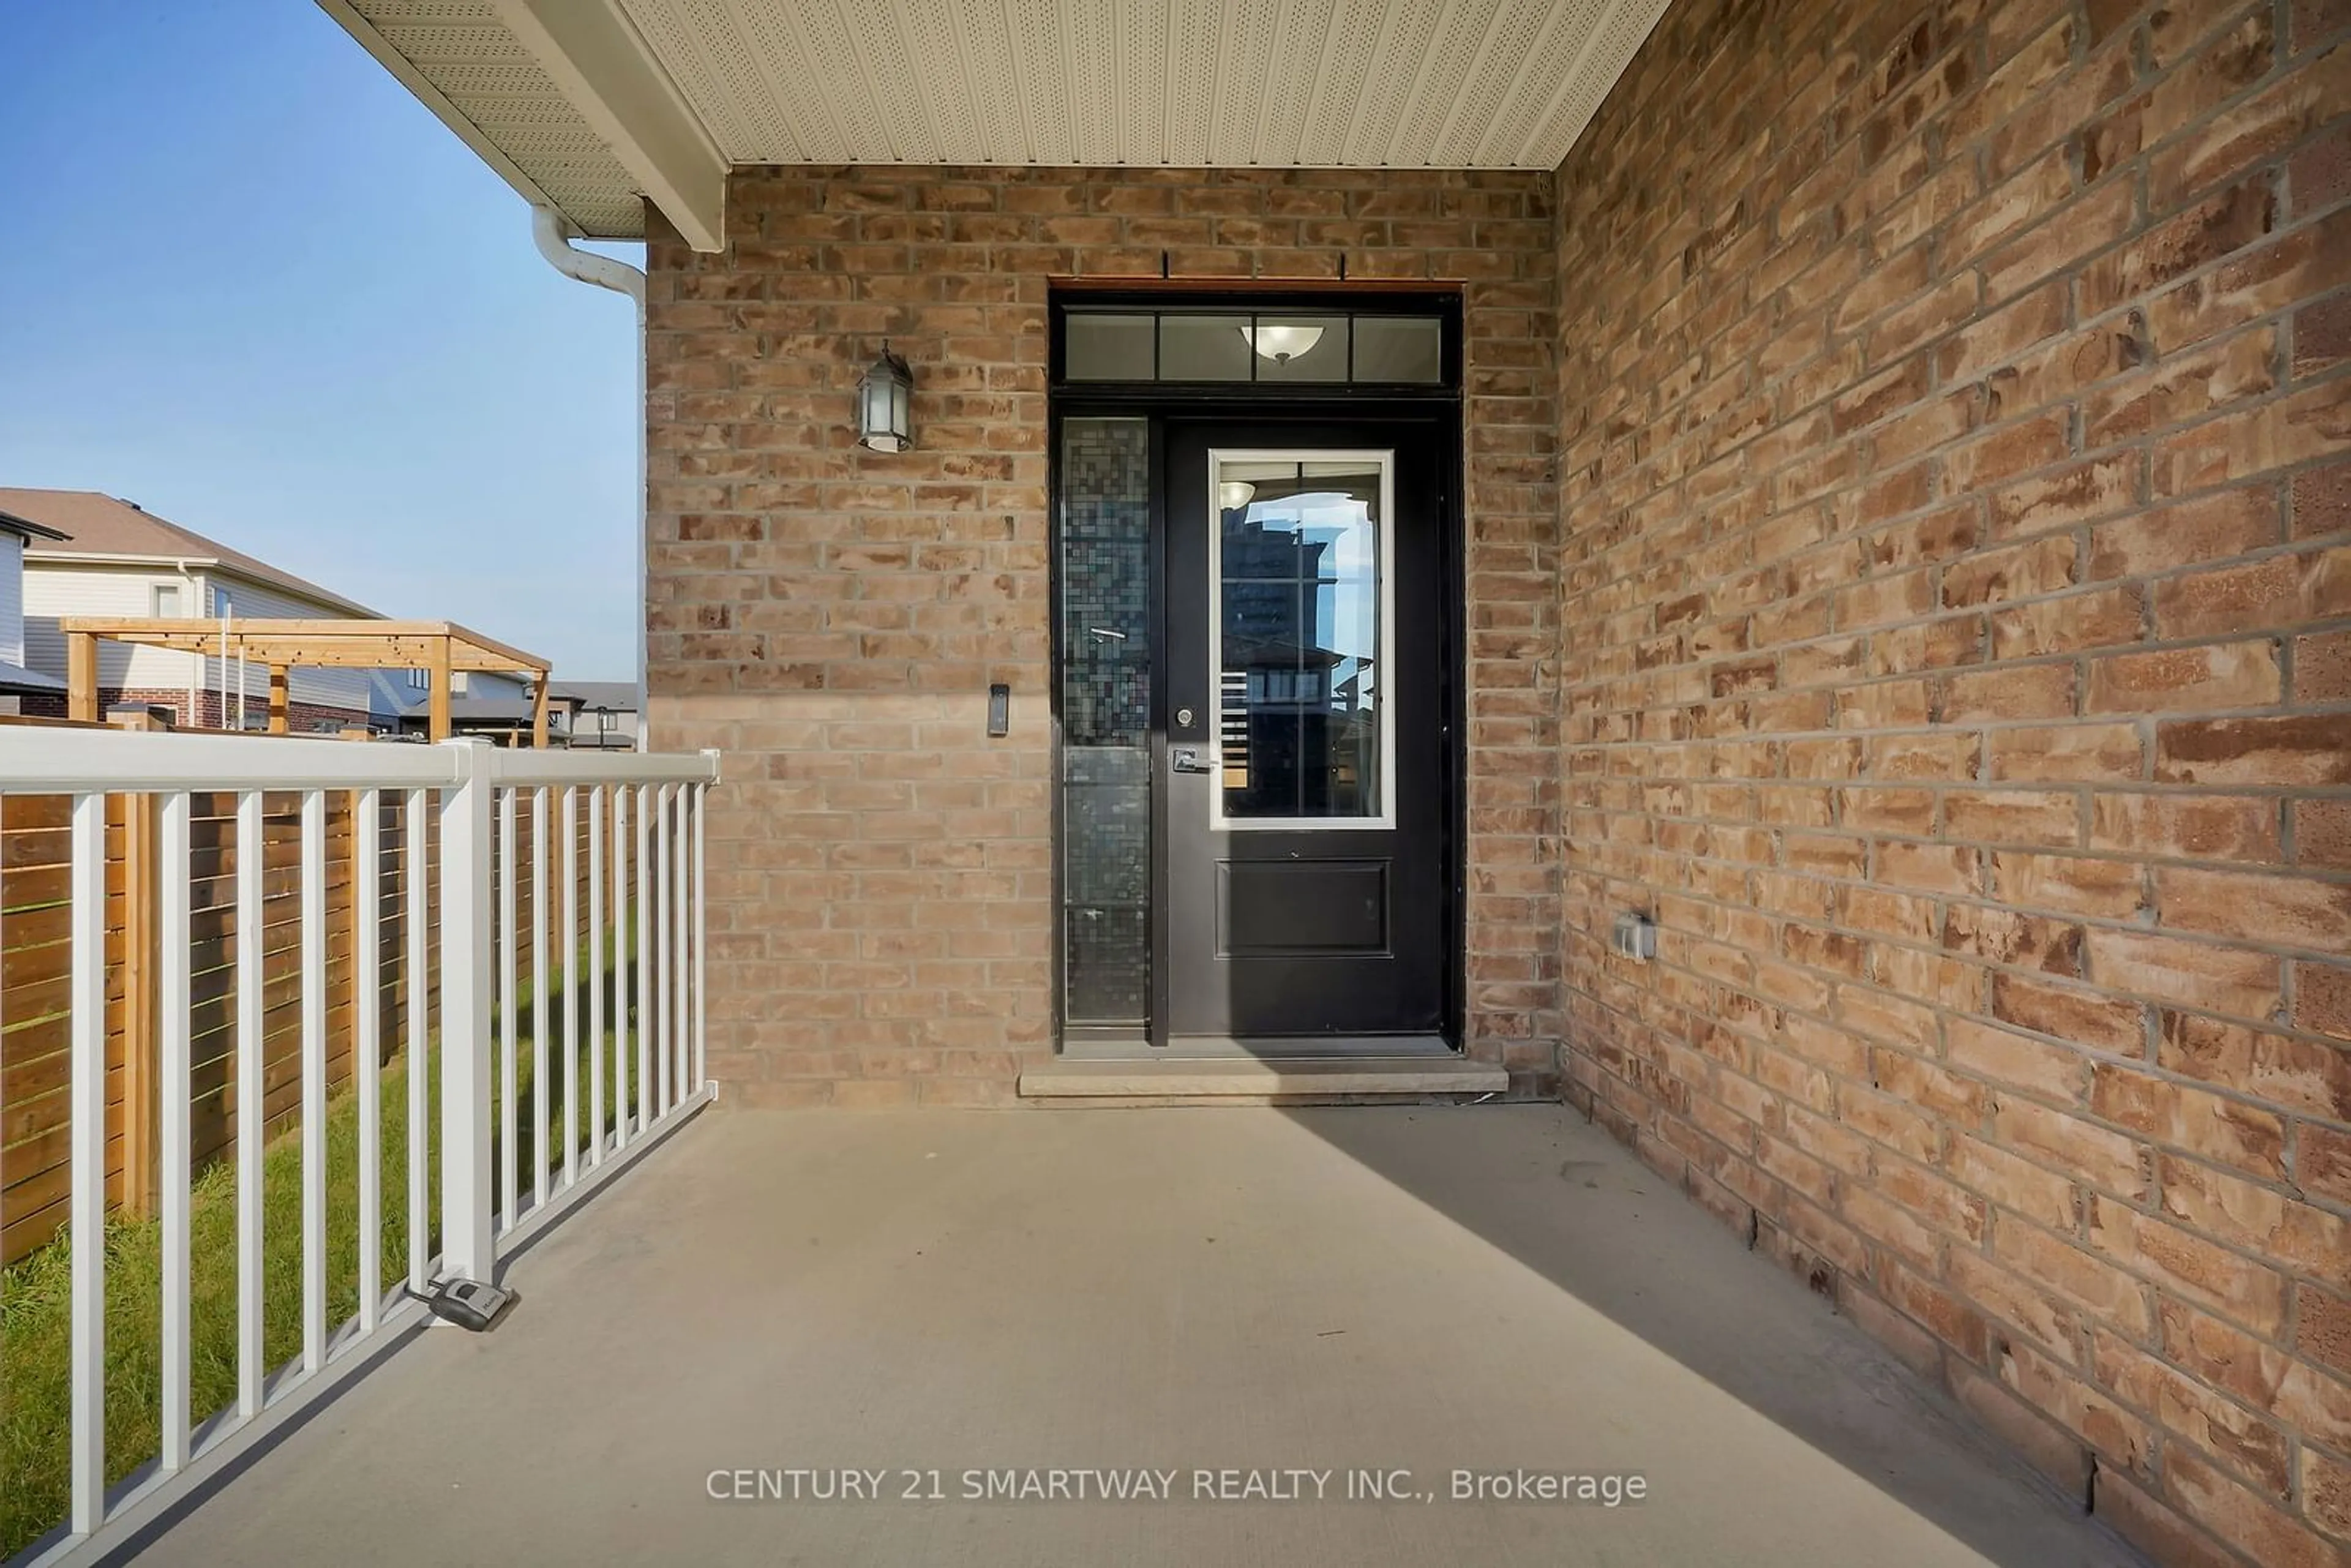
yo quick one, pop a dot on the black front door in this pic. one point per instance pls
(1308, 748)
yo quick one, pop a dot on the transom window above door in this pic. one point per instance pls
(1235, 347)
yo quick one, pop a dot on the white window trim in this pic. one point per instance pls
(1382, 644)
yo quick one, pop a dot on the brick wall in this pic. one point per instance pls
(881, 872)
(1954, 565)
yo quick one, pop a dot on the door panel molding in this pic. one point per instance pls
(1275, 921)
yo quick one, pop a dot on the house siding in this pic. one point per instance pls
(881, 898)
(489, 685)
(1958, 608)
(54, 589)
(161, 676)
(12, 599)
(341, 692)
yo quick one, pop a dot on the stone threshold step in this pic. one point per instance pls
(1280, 1080)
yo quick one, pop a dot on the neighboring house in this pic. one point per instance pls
(602, 715)
(110, 557)
(496, 708)
(1855, 494)
(16, 682)
(98, 555)
(402, 699)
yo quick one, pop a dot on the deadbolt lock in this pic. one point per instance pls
(1184, 715)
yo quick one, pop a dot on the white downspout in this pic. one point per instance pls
(192, 589)
(555, 233)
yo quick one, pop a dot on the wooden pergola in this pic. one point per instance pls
(440, 648)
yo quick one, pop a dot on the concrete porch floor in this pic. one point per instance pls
(1422, 1287)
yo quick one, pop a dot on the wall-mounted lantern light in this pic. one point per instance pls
(885, 398)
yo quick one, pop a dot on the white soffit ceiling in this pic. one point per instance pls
(1457, 84)
(463, 61)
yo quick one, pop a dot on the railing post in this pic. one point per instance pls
(647, 1016)
(312, 971)
(702, 929)
(467, 1244)
(367, 1039)
(85, 1078)
(173, 1048)
(416, 848)
(252, 1142)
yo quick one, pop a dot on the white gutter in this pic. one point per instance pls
(554, 233)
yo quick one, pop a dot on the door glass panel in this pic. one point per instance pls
(1300, 607)
(1105, 691)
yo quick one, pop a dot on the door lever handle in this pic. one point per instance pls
(1189, 759)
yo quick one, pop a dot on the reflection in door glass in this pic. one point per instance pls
(1298, 678)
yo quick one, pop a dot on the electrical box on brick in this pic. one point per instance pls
(1636, 937)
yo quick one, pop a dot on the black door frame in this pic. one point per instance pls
(1437, 411)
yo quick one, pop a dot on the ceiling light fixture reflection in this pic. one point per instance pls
(1233, 495)
(1281, 344)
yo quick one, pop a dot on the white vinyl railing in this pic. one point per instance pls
(636, 820)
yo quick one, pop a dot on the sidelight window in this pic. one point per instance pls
(1105, 582)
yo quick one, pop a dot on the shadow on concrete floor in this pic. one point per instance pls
(1569, 1203)
(1189, 1290)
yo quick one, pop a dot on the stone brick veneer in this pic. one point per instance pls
(1958, 622)
(882, 871)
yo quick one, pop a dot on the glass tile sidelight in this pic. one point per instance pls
(1106, 957)
(1107, 827)
(1105, 643)
(1105, 593)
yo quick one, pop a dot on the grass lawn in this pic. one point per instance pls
(36, 1407)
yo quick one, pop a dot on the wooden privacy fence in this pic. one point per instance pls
(35, 858)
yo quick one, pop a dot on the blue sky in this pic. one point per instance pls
(248, 282)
